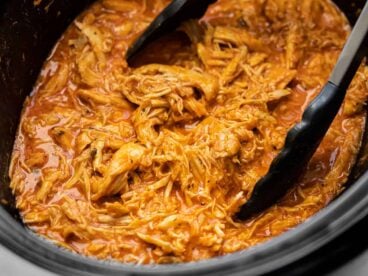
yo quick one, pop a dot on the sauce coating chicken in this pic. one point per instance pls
(149, 164)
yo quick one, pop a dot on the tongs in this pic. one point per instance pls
(304, 138)
(167, 21)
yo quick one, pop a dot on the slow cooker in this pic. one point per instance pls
(28, 31)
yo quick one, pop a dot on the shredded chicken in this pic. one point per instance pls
(149, 164)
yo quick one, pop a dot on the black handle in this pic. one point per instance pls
(300, 144)
(167, 21)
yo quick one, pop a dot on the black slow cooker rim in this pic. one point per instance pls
(289, 247)
(340, 215)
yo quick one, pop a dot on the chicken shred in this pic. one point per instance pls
(149, 164)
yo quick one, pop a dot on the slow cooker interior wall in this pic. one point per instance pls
(27, 34)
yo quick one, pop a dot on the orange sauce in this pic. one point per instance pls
(56, 173)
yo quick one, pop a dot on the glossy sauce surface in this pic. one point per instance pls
(149, 164)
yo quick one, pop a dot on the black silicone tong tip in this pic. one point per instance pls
(167, 21)
(304, 138)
